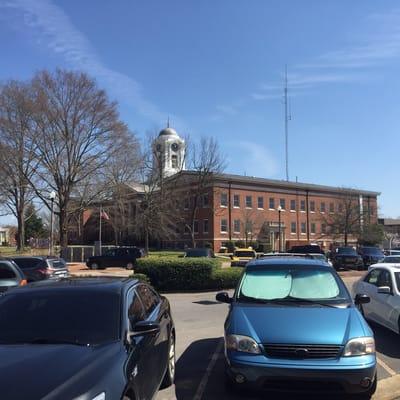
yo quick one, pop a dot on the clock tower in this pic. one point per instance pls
(169, 152)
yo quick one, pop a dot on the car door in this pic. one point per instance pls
(140, 358)
(369, 287)
(121, 258)
(107, 259)
(154, 312)
(385, 303)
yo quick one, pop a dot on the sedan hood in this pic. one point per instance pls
(297, 325)
(53, 371)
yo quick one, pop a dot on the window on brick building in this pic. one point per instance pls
(205, 200)
(236, 200)
(236, 226)
(331, 208)
(312, 206)
(196, 226)
(293, 227)
(224, 199)
(260, 202)
(302, 205)
(292, 205)
(340, 207)
(323, 208)
(282, 203)
(303, 228)
(186, 203)
(224, 225)
(313, 228)
(205, 226)
(249, 201)
(323, 229)
(272, 203)
(174, 161)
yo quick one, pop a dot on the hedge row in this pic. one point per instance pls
(187, 274)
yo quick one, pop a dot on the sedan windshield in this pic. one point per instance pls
(391, 259)
(288, 283)
(63, 316)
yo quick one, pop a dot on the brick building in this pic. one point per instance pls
(275, 214)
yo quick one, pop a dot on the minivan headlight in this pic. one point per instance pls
(241, 343)
(359, 347)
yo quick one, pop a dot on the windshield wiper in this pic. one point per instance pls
(308, 301)
(256, 300)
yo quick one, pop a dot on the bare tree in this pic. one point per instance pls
(347, 219)
(77, 128)
(17, 152)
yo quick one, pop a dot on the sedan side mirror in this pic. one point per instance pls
(384, 290)
(361, 299)
(145, 328)
(223, 297)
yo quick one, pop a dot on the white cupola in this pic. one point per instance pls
(169, 151)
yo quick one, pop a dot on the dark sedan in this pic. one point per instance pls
(371, 255)
(85, 338)
(122, 257)
(346, 257)
(37, 268)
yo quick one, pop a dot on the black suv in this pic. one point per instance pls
(38, 268)
(101, 338)
(123, 257)
(346, 257)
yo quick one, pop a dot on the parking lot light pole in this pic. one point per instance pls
(279, 228)
(52, 197)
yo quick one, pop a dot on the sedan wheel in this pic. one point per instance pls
(129, 265)
(169, 377)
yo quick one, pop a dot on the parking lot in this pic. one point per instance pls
(199, 323)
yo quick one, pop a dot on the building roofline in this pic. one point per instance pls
(286, 184)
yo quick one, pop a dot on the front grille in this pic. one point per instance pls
(300, 351)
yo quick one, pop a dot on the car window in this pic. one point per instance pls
(397, 276)
(346, 251)
(133, 252)
(384, 279)
(57, 263)
(121, 252)
(135, 309)
(149, 299)
(391, 259)
(241, 253)
(6, 271)
(373, 276)
(109, 252)
(26, 263)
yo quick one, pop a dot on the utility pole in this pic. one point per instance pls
(287, 119)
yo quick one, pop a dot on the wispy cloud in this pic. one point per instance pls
(259, 160)
(226, 109)
(51, 27)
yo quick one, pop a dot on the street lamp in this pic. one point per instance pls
(279, 227)
(52, 197)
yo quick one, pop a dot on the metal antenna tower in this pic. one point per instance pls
(287, 119)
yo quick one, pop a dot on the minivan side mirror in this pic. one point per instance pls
(145, 328)
(384, 290)
(361, 299)
(223, 297)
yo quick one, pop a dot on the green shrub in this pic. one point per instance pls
(226, 278)
(141, 277)
(177, 273)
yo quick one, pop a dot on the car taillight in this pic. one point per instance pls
(44, 271)
(23, 282)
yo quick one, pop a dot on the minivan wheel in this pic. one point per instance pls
(169, 376)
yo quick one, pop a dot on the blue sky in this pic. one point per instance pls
(216, 68)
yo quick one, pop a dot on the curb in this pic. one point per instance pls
(388, 389)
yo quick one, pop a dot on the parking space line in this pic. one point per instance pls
(206, 376)
(386, 367)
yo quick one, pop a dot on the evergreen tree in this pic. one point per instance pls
(33, 224)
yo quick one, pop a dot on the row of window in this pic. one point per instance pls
(238, 227)
(282, 203)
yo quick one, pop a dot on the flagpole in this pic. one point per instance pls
(101, 211)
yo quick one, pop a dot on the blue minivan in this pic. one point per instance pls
(292, 325)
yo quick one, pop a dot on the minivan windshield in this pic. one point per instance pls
(292, 283)
(78, 317)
